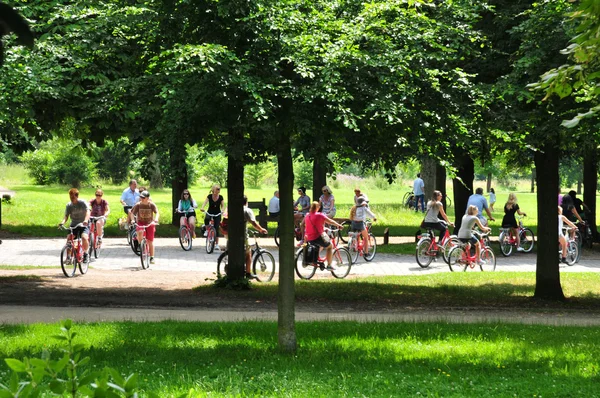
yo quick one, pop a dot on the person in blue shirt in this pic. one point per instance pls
(419, 191)
(477, 199)
(130, 196)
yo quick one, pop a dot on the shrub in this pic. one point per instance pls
(38, 164)
(115, 160)
(214, 168)
(73, 168)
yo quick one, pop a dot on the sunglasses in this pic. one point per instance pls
(98, 195)
(218, 189)
(186, 193)
(324, 191)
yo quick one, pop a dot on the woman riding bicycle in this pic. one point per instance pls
(99, 208)
(510, 221)
(435, 208)
(215, 206)
(314, 229)
(358, 217)
(186, 206)
(465, 234)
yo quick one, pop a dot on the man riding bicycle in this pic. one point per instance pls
(130, 196)
(79, 212)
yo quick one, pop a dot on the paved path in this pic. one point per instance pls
(116, 254)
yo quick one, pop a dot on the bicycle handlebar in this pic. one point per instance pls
(212, 215)
(145, 226)
(97, 218)
(62, 226)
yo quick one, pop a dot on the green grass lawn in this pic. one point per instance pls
(334, 359)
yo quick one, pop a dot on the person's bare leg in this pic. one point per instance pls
(329, 254)
(365, 236)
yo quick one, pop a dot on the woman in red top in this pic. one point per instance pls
(314, 228)
(99, 208)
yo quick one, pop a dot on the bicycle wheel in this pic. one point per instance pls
(421, 253)
(353, 248)
(128, 234)
(450, 243)
(185, 239)
(97, 246)
(527, 240)
(263, 266)
(135, 245)
(487, 255)
(91, 240)
(144, 254)
(372, 248)
(505, 246)
(589, 238)
(304, 271)
(341, 263)
(343, 232)
(222, 263)
(448, 202)
(572, 252)
(456, 259)
(276, 236)
(210, 239)
(67, 261)
(83, 266)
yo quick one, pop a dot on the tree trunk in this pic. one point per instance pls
(489, 183)
(178, 182)
(533, 177)
(579, 184)
(590, 184)
(156, 180)
(462, 185)
(440, 181)
(236, 224)
(547, 274)
(286, 312)
(428, 169)
(319, 178)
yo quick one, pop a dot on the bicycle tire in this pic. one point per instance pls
(448, 201)
(589, 238)
(276, 236)
(372, 248)
(343, 231)
(67, 262)
(407, 200)
(504, 242)
(488, 256)
(304, 271)
(97, 247)
(421, 252)
(450, 243)
(222, 263)
(527, 240)
(210, 239)
(83, 266)
(572, 252)
(455, 259)
(144, 254)
(185, 238)
(263, 265)
(341, 263)
(91, 240)
(135, 244)
(353, 248)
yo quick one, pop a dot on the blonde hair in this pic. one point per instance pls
(326, 188)
(314, 206)
(512, 200)
(472, 210)
(352, 212)
(212, 189)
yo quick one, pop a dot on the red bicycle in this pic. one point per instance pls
(508, 241)
(460, 257)
(71, 255)
(185, 232)
(211, 233)
(95, 240)
(144, 248)
(356, 244)
(308, 260)
(428, 248)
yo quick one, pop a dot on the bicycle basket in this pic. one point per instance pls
(123, 223)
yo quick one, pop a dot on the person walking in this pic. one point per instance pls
(419, 192)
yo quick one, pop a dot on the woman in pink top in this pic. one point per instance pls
(314, 228)
(99, 208)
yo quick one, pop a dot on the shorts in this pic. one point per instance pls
(276, 214)
(473, 240)
(189, 214)
(357, 226)
(330, 213)
(126, 209)
(81, 230)
(319, 242)
(149, 231)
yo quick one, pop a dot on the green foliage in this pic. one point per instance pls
(256, 174)
(193, 162)
(115, 160)
(214, 168)
(224, 282)
(303, 173)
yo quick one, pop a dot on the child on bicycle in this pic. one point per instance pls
(465, 234)
(358, 217)
(147, 213)
(561, 236)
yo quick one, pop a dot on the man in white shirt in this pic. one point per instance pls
(274, 205)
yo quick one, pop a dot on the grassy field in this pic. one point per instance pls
(36, 210)
(335, 359)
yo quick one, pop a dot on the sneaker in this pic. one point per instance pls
(563, 260)
(86, 258)
(68, 261)
(251, 276)
(217, 248)
(300, 243)
(520, 249)
(481, 262)
(151, 260)
(330, 268)
(100, 239)
(205, 233)
(194, 235)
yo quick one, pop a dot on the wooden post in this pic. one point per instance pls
(386, 236)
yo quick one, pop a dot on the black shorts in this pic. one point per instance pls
(472, 239)
(126, 209)
(319, 242)
(81, 230)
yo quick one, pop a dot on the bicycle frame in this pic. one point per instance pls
(72, 253)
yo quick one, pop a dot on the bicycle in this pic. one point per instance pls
(211, 232)
(408, 200)
(308, 260)
(461, 258)
(71, 255)
(263, 262)
(144, 247)
(356, 244)
(573, 253)
(95, 240)
(507, 241)
(297, 234)
(428, 249)
(185, 231)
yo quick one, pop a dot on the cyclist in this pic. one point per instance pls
(79, 212)
(99, 208)
(358, 216)
(580, 207)
(509, 220)
(465, 233)
(358, 194)
(187, 205)
(315, 233)
(249, 217)
(327, 202)
(561, 236)
(480, 201)
(146, 212)
(130, 196)
(569, 209)
(302, 206)
(435, 208)
(215, 206)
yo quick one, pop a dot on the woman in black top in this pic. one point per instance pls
(216, 204)
(510, 221)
